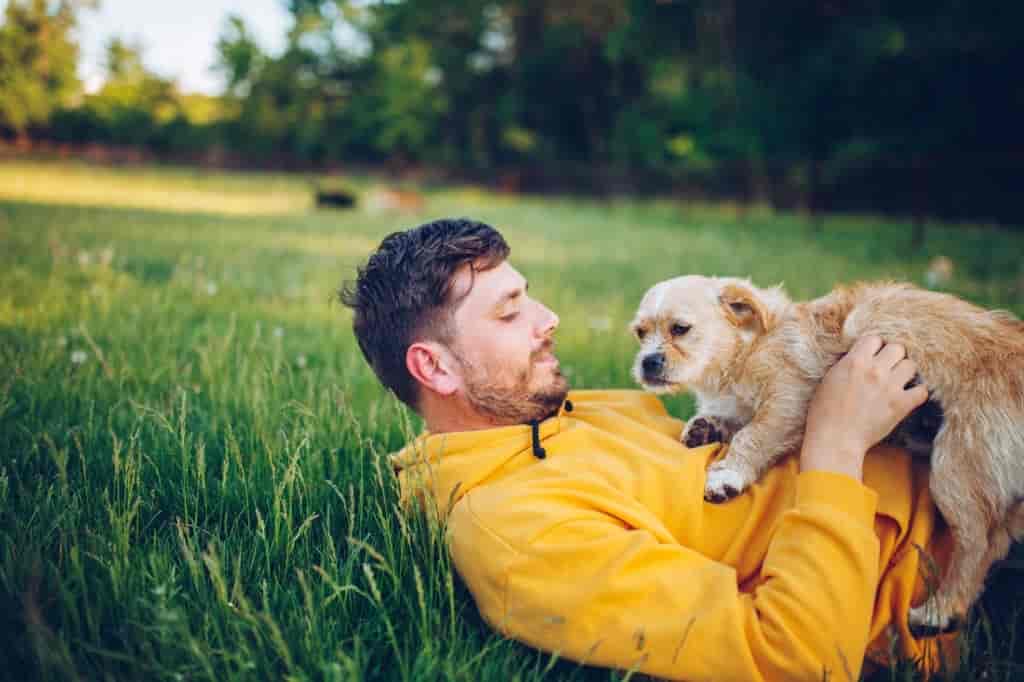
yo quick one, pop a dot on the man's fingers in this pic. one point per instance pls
(915, 397)
(866, 347)
(891, 355)
(904, 372)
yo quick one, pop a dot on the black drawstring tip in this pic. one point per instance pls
(538, 451)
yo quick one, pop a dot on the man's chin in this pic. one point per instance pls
(553, 395)
(520, 404)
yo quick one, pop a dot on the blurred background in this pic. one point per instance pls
(911, 108)
(193, 452)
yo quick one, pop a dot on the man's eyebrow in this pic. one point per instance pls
(511, 294)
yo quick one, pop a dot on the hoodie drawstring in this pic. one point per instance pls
(538, 451)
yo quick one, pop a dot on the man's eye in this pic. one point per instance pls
(509, 317)
(680, 329)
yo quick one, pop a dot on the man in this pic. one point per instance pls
(577, 519)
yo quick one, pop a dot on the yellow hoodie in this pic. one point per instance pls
(606, 552)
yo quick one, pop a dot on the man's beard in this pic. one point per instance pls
(516, 403)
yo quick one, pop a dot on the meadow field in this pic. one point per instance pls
(193, 472)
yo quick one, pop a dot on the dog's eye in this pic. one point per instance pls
(679, 329)
(640, 333)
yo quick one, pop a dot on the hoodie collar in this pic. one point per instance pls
(538, 451)
(452, 464)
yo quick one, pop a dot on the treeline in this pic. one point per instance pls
(913, 107)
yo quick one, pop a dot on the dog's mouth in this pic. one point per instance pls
(658, 384)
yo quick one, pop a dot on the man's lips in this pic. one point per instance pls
(546, 355)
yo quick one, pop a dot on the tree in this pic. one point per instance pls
(133, 102)
(38, 63)
(239, 57)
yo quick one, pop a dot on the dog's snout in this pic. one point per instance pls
(653, 364)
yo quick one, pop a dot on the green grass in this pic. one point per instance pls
(192, 473)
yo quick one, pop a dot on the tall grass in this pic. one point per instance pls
(193, 472)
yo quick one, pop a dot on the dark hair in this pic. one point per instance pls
(404, 290)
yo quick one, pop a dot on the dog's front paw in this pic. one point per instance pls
(701, 431)
(723, 483)
(930, 619)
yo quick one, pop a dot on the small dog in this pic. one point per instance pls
(754, 358)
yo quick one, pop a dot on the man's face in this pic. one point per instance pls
(504, 346)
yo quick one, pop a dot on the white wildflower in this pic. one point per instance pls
(432, 76)
(84, 258)
(211, 288)
(940, 272)
(78, 357)
(278, 332)
(107, 256)
(301, 361)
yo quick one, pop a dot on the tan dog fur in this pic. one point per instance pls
(753, 359)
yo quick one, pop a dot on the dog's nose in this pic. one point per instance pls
(653, 364)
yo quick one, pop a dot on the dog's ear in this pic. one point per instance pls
(742, 308)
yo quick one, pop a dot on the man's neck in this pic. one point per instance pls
(448, 422)
(451, 418)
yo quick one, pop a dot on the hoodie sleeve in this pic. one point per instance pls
(592, 589)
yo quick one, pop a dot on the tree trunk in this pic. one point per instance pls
(918, 233)
(814, 198)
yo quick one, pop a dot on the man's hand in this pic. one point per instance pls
(859, 402)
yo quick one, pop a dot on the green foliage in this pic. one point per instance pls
(408, 106)
(912, 107)
(135, 107)
(193, 472)
(239, 57)
(38, 62)
(133, 102)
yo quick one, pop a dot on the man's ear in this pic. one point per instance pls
(742, 308)
(431, 365)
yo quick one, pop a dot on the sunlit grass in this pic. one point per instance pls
(192, 482)
(173, 189)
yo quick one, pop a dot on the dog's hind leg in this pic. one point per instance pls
(961, 485)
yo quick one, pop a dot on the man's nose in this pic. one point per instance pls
(653, 364)
(549, 320)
